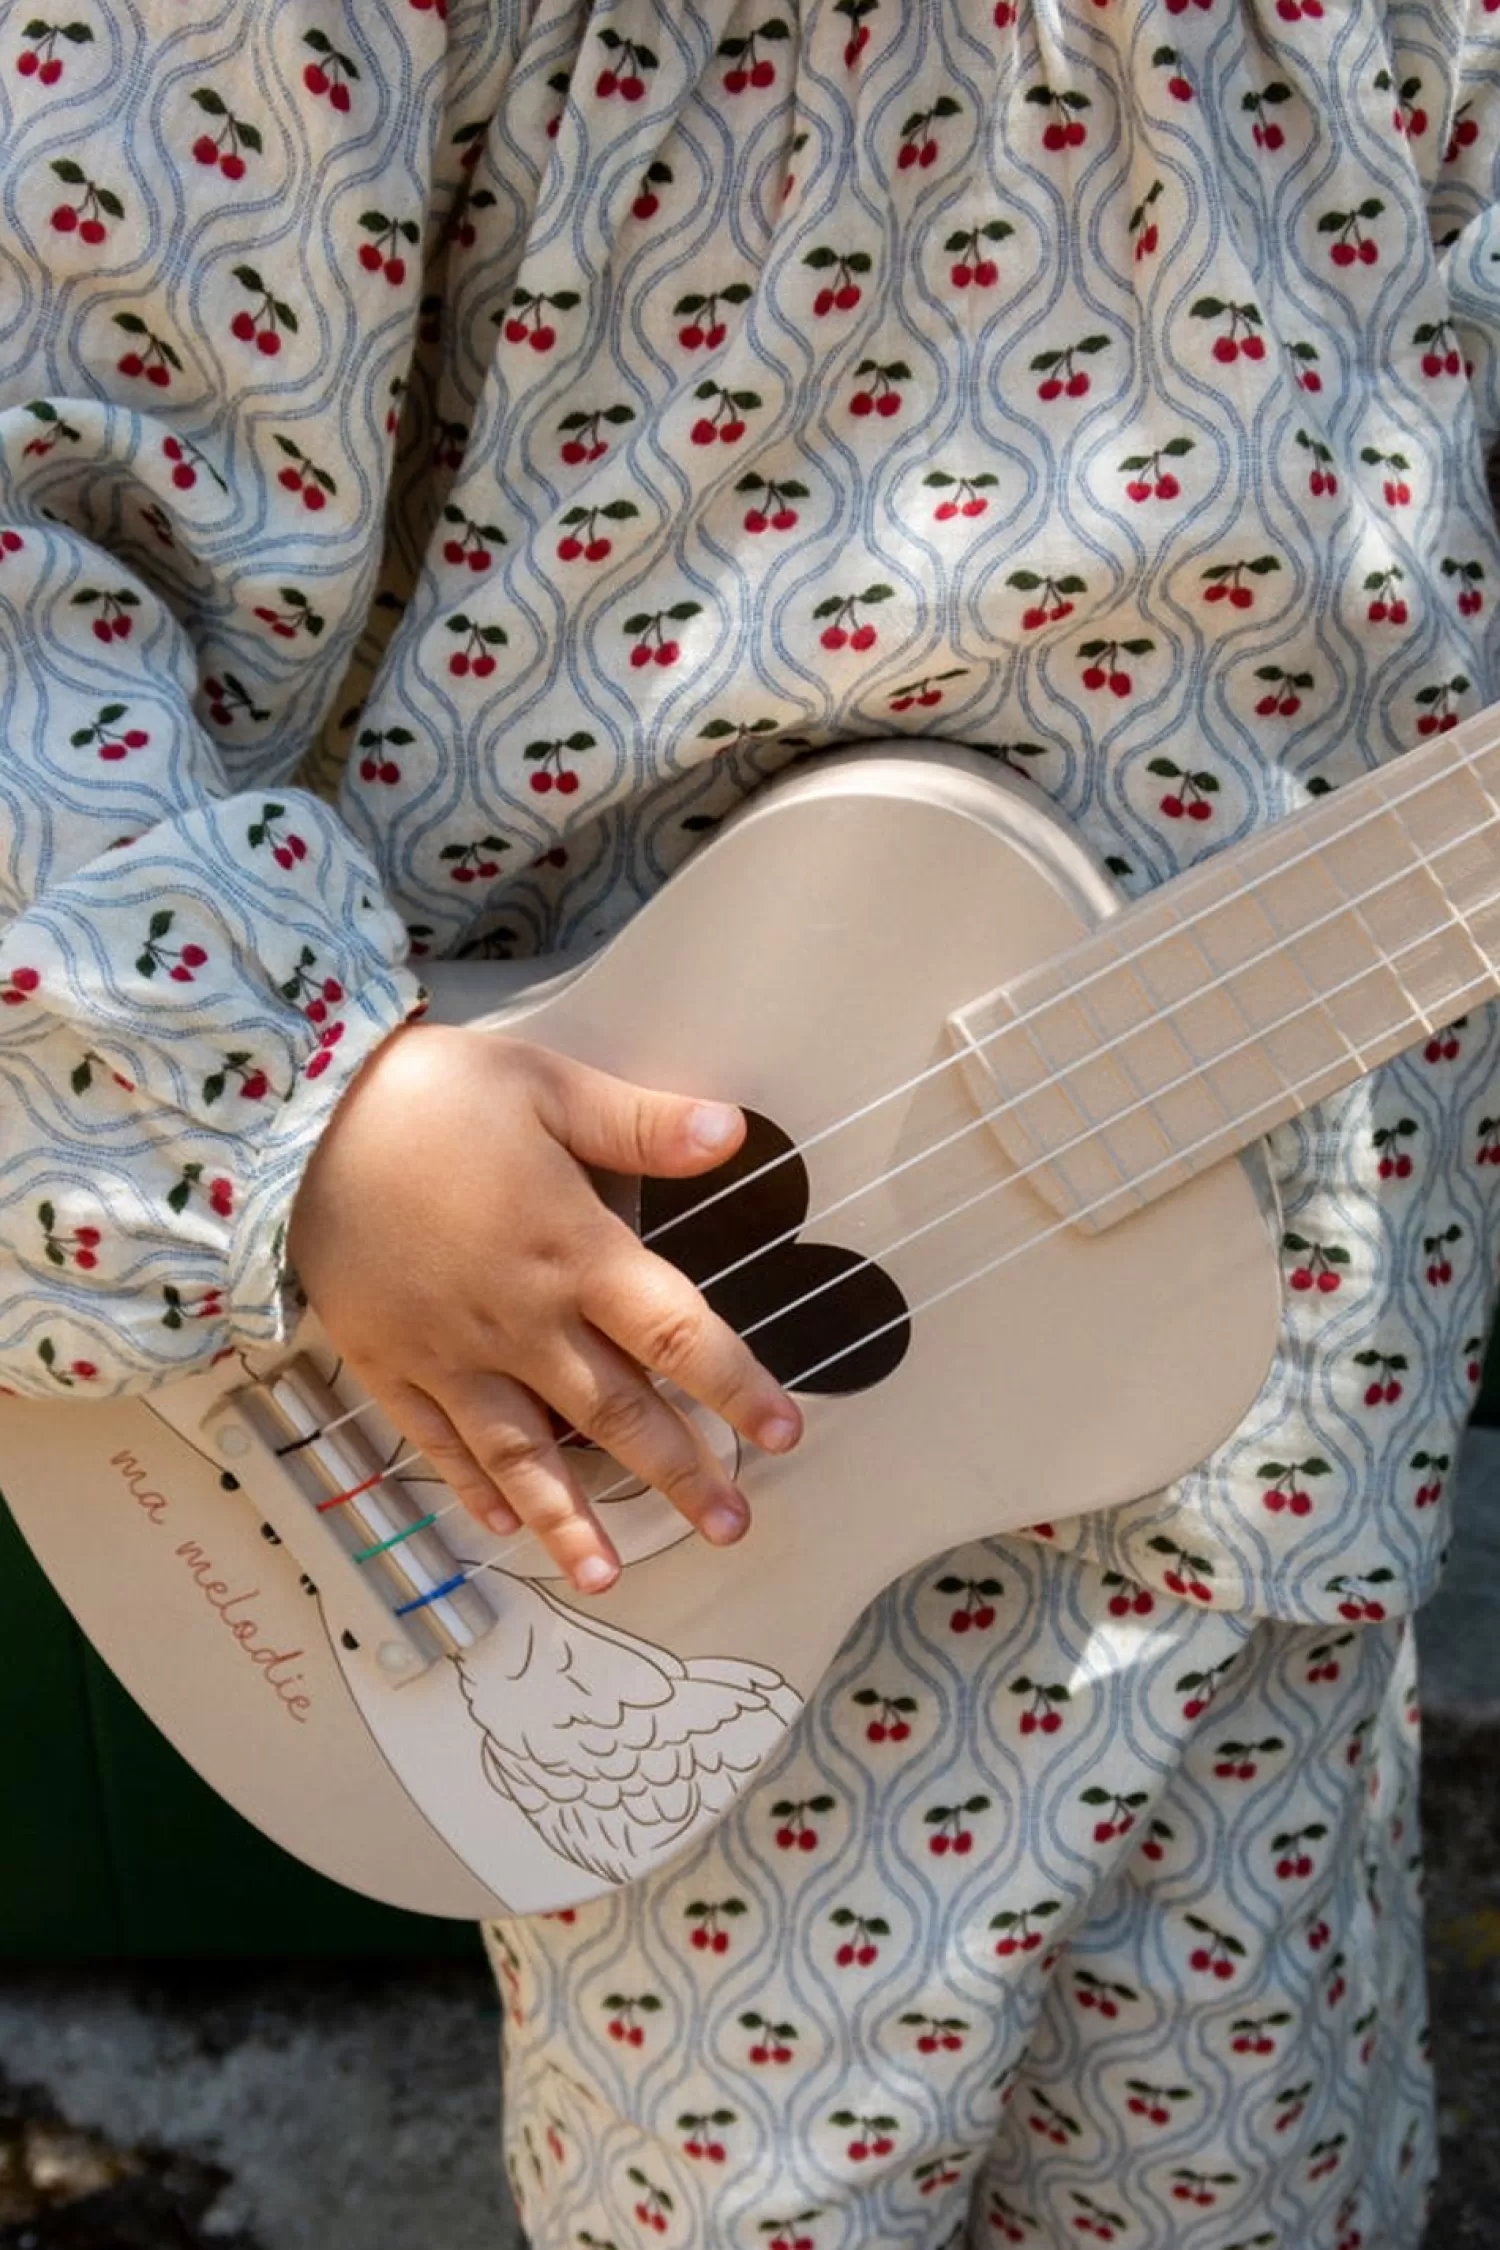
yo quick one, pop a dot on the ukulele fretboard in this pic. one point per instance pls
(1265, 979)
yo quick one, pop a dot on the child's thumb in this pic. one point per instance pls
(626, 1128)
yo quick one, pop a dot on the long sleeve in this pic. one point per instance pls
(209, 277)
(188, 978)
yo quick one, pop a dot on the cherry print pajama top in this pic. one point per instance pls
(447, 461)
(448, 458)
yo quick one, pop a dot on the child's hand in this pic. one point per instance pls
(458, 1255)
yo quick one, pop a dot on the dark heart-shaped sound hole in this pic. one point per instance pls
(833, 1321)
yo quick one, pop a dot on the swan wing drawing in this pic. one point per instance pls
(615, 1749)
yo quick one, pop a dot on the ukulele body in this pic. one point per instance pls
(803, 964)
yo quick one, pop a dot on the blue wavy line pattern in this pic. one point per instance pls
(1067, 1913)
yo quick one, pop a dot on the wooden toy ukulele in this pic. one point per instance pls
(1001, 1163)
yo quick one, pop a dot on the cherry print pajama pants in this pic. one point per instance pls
(1070, 1913)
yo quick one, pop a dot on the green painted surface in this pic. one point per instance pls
(58, 1876)
(1487, 1409)
(114, 1847)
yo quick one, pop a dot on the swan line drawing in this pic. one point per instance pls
(613, 1748)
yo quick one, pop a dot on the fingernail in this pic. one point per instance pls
(777, 1431)
(712, 1125)
(725, 1521)
(593, 1575)
(502, 1522)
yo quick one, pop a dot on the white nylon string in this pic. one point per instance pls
(1463, 760)
(1164, 1021)
(1079, 1140)
(1477, 987)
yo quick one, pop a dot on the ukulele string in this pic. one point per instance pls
(941, 1218)
(1003, 1258)
(1164, 1021)
(1465, 761)
(980, 1195)
(1052, 1080)
(1347, 905)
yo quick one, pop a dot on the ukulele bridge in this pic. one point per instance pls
(385, 1573)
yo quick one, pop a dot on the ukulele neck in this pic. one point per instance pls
(1267, 978)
